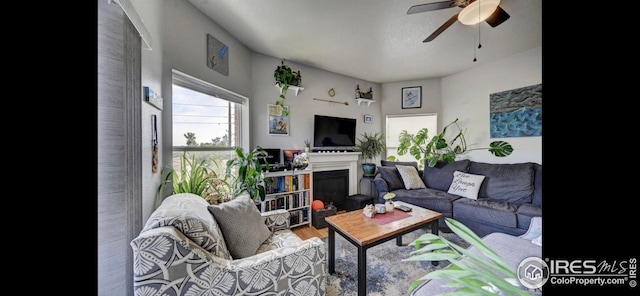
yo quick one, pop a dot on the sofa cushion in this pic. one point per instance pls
(242, 225)
(427, 198)
(537, 185)
(465, 185)
(410, 177)
(506, 182)
(486, 210)
(392, 177)
(386, 163)
(187, 212)
(440, 176)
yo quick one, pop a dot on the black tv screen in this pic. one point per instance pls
(330, 132)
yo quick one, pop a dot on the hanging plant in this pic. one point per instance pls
(285, 77)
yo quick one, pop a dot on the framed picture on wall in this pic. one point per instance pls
(278, 121)
(412, 97)
(368, 118)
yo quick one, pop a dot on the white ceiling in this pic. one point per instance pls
(374, 40)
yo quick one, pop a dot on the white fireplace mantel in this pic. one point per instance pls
(330, 161)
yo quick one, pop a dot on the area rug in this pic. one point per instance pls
(387, 275)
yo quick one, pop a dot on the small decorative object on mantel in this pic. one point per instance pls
(307, 145)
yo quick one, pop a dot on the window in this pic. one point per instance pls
(206, 121)
(412, 124)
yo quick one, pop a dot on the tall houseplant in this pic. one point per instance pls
(249, 176)
(436, 148)
(370, 145)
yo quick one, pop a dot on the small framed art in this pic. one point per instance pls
(412, 97)
(368, 118)
(278, 121)
(217, 55)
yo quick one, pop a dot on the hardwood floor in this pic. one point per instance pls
(308, 231)
(305, 232)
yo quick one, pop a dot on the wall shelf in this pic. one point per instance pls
(368, 101)
(297, 89)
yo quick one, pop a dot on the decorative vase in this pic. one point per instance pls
(389, 206)
(368, 169)
(307, 149)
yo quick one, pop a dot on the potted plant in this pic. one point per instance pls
(195, 177)
(285, 77)
(422, 147)
(370, 145)
(249, 176)
(307, 145)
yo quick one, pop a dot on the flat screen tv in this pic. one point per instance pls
(334, 132)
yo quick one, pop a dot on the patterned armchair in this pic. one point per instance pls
(181, 251)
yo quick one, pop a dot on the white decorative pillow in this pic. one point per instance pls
(410, 177)
(242, 226)
(465, 184)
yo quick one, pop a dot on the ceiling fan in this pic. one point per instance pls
(473, 12)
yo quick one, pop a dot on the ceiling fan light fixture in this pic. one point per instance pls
(470, 14)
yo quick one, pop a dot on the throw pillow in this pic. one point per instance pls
(242, 226)
(466, 185)
(410, 177)
(392, 177)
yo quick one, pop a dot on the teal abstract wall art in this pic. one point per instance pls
(516, 112)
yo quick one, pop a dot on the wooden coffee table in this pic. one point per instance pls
(365, 233)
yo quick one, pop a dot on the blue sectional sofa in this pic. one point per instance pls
(508, 197)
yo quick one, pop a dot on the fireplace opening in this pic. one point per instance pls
(331, 186)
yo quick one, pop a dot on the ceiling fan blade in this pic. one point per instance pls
(441, 29)
(434, 6)
(497, 17)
